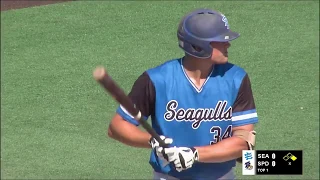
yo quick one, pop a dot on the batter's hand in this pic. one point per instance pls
(159, 150)
(182, 157)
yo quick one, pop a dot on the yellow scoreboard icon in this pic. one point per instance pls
(289, 156)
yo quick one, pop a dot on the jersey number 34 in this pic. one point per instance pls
(219, 135)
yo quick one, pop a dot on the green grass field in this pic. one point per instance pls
(54, 116)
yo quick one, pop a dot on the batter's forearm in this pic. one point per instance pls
(131, 136)
(225, 150)
(140, 139)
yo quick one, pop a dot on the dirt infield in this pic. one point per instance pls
(18, 4)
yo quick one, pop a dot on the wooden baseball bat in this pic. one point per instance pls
(101, 76)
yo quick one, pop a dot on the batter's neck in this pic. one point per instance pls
(197, 69)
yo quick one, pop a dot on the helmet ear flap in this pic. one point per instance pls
(193, 47)
(196, 48)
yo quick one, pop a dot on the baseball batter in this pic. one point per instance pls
(201, 105)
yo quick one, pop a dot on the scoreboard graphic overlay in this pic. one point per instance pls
(272, 162)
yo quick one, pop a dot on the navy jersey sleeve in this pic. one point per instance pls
(244, 109)
(142, 95)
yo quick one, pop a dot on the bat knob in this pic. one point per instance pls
(99, 73)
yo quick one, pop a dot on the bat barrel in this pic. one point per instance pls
(107, 82)
(118, 94)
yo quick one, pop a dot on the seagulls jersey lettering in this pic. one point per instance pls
(197, 115)
(190, 116)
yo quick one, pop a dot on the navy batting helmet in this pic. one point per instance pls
(201, 27)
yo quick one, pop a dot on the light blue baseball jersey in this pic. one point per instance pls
(192, 116)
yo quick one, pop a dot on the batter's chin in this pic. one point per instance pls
(225, 60)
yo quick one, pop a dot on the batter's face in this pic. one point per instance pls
(220, 52)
